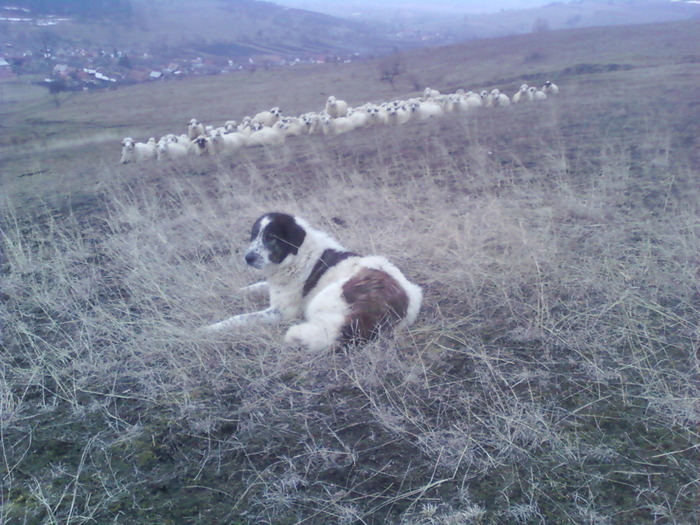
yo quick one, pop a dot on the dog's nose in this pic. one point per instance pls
(251, 258)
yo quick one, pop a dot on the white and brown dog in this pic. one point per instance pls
(342, 296)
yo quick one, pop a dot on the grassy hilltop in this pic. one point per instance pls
(552, 376)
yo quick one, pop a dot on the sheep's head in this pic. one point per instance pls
(548, 83)
(276, 111)
(331, 101)
(128, 143)
(523, 88)
(201, 142)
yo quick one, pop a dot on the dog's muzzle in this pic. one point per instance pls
(254, 259)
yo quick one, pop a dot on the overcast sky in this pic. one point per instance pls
(464, 6)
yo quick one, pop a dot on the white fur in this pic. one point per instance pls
(537, 95)
(425, 110)
(523, 95)
(137, 151)
(324, 310)
(226, 143)
(550, 88)
(397, 115)
(429, 93)
(266, 137)
(336, 107)
(171, 150)
(268, 118)
(195, 129)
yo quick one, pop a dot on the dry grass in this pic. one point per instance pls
(552, 376)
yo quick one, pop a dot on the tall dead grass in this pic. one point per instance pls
(552, 376)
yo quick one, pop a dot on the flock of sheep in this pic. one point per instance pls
(269, 128)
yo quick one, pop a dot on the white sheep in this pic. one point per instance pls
(472, 100)
(376, 116)
(430, 93)
(290, 126)
(137, 151)
(312, 123)
(336, 126)
(537, 95)
(336, 107)
(358, 117)
(550, 88)
(463, 104)
(230, 126)
(183, 140)
(445, 102)
(425, 110)
(225, 143)
(268, 118)
(523, 95)
(195, 129)
(202, 145)
(170, 137)
(499, 99)
(266, 137)
(397, 115)
(170, 150)
(486, 99)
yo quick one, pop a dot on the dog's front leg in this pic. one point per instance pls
(257, 288)
(267, 316)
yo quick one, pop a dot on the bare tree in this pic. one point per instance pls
(391, 67)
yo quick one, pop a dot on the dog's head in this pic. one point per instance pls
(274, 237)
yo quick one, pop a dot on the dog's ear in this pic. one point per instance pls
(293, 235)
(281, 235)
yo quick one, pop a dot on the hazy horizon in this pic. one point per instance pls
(436, 7)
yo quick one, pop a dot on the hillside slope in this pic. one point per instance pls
(210, 26)
(568, 15)
(551, 377)
(564, 56)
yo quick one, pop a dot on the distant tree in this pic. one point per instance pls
(540, 26)
(56, 87)
(391, 67)
(124, 62)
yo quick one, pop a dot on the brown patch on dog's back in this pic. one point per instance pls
(377, 302)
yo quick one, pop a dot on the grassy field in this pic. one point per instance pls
(552, 376)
